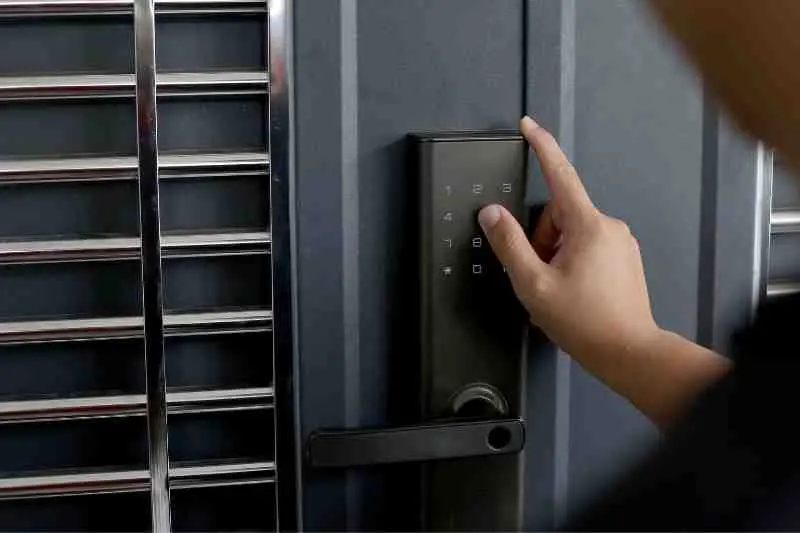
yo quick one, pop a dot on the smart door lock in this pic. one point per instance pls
(472, 326)
(471, 323)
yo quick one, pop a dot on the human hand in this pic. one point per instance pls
(582, 279)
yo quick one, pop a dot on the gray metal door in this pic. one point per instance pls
(81, 438)
(649, 143)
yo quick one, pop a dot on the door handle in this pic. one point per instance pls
(434, 441)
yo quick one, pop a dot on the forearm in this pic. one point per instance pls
(660, 374)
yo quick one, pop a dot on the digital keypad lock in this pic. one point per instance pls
(471, 324)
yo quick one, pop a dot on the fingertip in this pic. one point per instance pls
(489, 216)
(527, 123)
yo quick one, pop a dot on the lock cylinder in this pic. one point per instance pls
(478, 400)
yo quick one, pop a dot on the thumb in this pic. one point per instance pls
(511, 245)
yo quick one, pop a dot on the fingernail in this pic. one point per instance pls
(529, 122)
(489, 217)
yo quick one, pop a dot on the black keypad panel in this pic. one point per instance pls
(472, 325)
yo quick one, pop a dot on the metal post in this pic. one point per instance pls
(282, 215)
(763, 221)
(152, 295)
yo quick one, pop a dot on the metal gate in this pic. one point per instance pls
(86, 427)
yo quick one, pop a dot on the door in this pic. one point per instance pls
(650, 145)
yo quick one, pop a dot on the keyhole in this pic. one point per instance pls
(498, 438)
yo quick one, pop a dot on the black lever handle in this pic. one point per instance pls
(427, 442)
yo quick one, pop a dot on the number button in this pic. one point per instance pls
(448, 216)
(477, 242)
(477, 189)
(448, 243)
(448, 190)
(477, 269)
(447, 271)
(506, 188)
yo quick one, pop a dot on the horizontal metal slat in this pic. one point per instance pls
(122, 249)
(175, 324)
(221, 475)
(178, 402)
(783, 288)
(95, 86)
(80, 169)
(123, 481)
(49, 8)
(785, 221)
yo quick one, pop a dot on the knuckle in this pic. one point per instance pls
(538, 286)
(593, 218)
(622, 227)
(564, 168)
(618, 227)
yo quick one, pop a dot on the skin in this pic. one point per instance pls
(582, 281)
(747, 53)
(581, 276)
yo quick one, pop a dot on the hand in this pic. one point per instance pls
(583, 284)
(582, 280)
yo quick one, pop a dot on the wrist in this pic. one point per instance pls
(634, 341)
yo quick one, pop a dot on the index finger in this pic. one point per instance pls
(566, 189)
